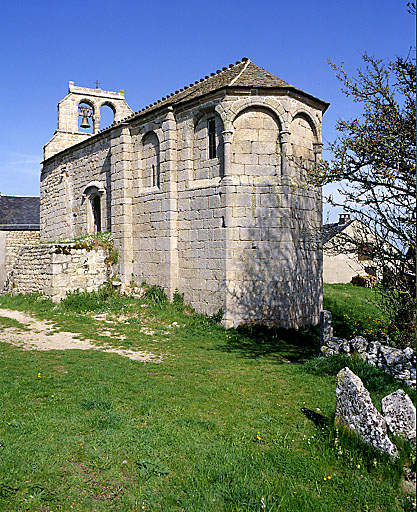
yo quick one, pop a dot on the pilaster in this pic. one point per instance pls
(285, 144)
(169, 127)
(227, 191)
(121, 199)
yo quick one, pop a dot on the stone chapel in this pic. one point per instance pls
(204, 191)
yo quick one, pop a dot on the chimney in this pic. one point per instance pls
(344, 218)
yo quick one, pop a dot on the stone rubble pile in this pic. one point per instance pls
(401, 364)
(355, 411)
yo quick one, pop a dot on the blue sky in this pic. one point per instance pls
(150, 49)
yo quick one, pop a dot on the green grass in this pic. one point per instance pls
(355, 311)
(6, 322)
(216, 426)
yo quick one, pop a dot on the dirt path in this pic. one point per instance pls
(43, 336)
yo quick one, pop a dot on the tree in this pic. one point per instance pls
(374, 162)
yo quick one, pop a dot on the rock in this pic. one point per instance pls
(355, 411)
(373, 348)
(391, 356)
(359, 344)
(326, 351)
(332, 346)
(326, 330)
(345, 347)
(408, 353)
(400, 414)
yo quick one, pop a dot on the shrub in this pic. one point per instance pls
(105, 298)
(155, 295)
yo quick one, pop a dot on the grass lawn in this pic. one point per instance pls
(216, 426)
(355, 311)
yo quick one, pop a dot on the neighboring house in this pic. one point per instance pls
(19, 226)
(340, 261)
(200, 190)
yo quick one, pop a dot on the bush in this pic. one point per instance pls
(155, 295)
(105, 298)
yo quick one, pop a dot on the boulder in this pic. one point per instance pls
(409, 354)
(345, 347)
(359, 344)
(355, 411)
(391, 356)
(332, 346)
(400, 415)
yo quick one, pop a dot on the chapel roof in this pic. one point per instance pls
(243, 73)
(19, 213)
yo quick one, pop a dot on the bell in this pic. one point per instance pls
(85, 123)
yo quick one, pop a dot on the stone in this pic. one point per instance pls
(401, 364)
(345, 347)
(355, 411)
(333, 345)
(326, 330)
(373, 348)
(400, 414)
(391, 356)
(359, 344)
(408, 353)
(326, 351)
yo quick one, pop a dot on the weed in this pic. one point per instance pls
(155, 295)
(178, 300)
(148, 468)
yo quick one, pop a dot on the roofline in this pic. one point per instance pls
(20, 227)
(167, 104)
(28, 197)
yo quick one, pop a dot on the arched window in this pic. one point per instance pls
(151, 171)
(208, 147)
(85, 118)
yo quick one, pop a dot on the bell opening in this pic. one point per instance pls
(85, 118)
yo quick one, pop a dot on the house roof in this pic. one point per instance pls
(243, 73)
(19, 213)
(331, 230)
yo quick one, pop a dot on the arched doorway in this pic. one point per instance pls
(96, 210)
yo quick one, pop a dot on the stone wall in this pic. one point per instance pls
(10, 244)
(239, 231)
(401, 364)
(54, 269)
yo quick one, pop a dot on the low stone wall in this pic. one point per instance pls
(54, 269)
(11, 241)
(401, 364)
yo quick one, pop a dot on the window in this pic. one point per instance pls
(156, 177)
(366, 252)
(211, 125)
